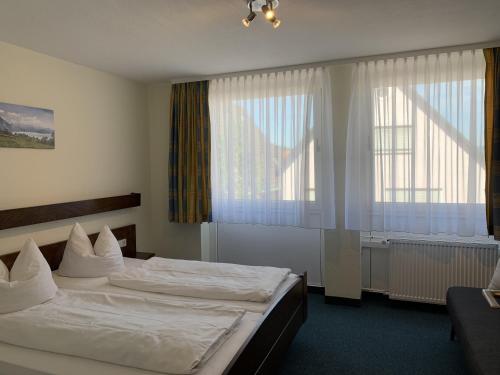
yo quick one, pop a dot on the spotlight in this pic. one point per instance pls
(276, 23)
(246, 21)
(268, 12)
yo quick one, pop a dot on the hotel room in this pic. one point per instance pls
(236, 187)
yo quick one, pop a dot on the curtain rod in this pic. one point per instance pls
(350, 60)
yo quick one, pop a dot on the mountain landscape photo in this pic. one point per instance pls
(26, 127)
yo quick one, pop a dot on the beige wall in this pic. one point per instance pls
(342, 247)
(170, 239)
(101, 144)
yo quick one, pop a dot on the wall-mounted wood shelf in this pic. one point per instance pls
(19, 217)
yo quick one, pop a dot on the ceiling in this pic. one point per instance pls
(152, 40)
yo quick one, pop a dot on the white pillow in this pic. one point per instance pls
(81, 260)
(30, 282)
(79, 242)
(107, 245)
(4, 272)
(495, 280)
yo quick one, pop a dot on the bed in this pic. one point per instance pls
(263, 336)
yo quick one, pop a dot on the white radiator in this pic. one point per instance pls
(422, 271)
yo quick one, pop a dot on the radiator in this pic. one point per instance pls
(422, 271)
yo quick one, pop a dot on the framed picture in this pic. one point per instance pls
(26, 127)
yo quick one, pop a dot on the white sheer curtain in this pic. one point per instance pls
(415, 147)
(272, 149)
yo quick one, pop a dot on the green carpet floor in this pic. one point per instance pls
(375, 339)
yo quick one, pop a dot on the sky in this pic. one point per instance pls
(27, 116)
(276, 117)
(453, 101)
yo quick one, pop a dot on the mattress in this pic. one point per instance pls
(101, 284)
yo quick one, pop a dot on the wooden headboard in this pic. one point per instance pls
(54, 252)
(19, 217)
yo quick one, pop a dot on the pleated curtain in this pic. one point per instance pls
(272, 143)
(189, 164)
(492, 140)
(415, 145)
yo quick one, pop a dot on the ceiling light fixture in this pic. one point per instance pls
(246, 21)
(266, 7)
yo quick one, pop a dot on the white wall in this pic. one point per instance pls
(342, 247)
(375, 268)
(170, 239)
(101, 145)
(299, 249)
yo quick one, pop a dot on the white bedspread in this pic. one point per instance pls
(166, 337)
(203, 279)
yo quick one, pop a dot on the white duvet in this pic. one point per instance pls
(203, 279)
(167, 337)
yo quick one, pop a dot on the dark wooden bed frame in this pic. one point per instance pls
(268, 342)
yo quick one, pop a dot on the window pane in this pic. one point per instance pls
(271, 122)
(422, 140)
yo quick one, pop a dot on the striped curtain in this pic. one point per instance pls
(189, 172)
(492, 140)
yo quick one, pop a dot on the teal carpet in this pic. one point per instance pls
(375, 339)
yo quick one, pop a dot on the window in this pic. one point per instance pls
(271, 125)
(421, 169)
(267, 131)
(440, 130)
